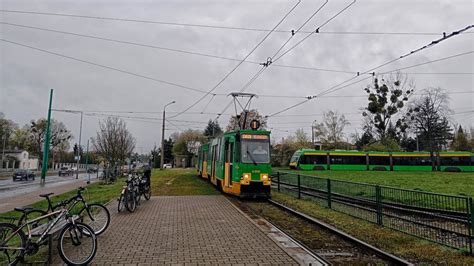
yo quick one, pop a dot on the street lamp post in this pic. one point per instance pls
(79, 148)
(313, 126)
(87, 164)
(162, 157)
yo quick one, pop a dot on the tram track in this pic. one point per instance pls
(327, 242)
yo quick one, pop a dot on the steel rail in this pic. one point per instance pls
(382, 254)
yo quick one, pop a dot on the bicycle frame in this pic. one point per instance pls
(78, 198)
(64, 212)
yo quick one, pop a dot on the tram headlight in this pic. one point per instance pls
(246, 176)
(265, 177)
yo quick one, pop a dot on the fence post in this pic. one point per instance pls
(329, 192)
(471, 230)
(378, 200)
(299, 187)
(278, 180)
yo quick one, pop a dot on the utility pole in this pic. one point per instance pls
(47, 140)
(312, 132)
(79, 148)
(87, 163)
(162, 156)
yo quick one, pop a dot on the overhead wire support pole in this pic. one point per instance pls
(162, 156)
(47, 141)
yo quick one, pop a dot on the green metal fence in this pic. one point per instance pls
(441, 218)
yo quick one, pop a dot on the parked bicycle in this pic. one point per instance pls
(77, 242)
(132, 192)
(144, 188)
(96, 215)
(127, 197)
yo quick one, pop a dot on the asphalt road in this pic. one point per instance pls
(10, 188)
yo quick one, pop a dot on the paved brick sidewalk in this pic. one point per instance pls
(186, 230)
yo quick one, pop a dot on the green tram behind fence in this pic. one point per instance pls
(441, 218)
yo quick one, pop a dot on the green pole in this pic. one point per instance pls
(47, 140)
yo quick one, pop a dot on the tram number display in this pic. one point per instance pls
(254, 136)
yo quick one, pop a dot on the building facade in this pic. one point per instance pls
(18, 159)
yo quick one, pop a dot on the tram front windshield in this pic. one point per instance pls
(255, 150)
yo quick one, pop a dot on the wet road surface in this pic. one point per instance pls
(9, 188)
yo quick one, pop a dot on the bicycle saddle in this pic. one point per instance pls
(46, 195)
(23, 209)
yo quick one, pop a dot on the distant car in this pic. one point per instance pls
(64, 171)
(23, 175)
(167, 165)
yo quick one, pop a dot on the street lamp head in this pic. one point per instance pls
(169, 103)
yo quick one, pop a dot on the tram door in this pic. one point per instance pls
(229, 148)
(213, 163)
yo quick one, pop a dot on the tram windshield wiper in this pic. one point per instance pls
(251, 157)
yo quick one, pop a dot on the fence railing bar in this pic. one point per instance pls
(435, 215)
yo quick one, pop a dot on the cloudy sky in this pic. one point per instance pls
(124, 78)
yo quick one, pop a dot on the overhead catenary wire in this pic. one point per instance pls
(208, 26)
(270, 60)
(445, 37)
(337, 87)
(103, 66)
(428, 62)
(273, 59)
(162, 47)
(269, 63)
(195, 53)
(240, 63)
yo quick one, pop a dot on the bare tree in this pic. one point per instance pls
(237, 122)
(429, 115)
(301, 139)
(113, 142)
(331, 130)
(7, 129)
(60, 136)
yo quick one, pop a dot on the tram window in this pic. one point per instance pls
(313, 159)
(412, 161)
(295, 158)
(348, 160)
(379, 160)
(455, 161)
(255, 151)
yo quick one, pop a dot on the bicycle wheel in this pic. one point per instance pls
(121, 203)
(130, 202)
(96, 216)
(147, 192)
(77, 244)
(12, 244)
(138, 195)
